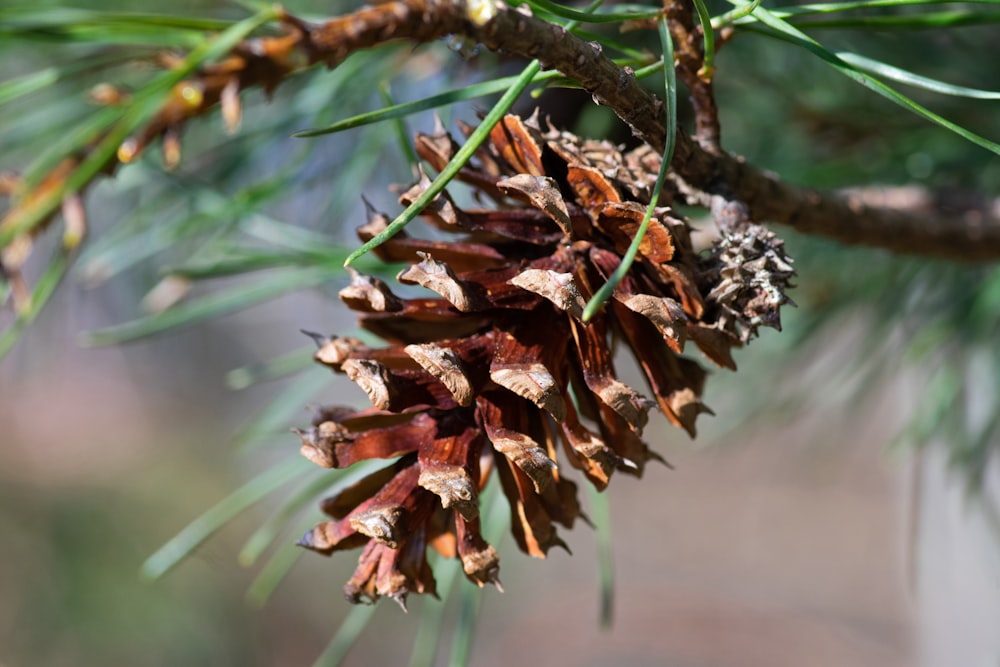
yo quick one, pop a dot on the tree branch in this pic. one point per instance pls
(972, 235)
(969, 234)
(690, 64)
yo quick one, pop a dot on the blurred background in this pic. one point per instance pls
(841, 509)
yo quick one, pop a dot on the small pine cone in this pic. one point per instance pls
(495, 371)
(752, 274)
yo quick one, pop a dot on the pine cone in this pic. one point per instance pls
(499, 371)
(751, 273)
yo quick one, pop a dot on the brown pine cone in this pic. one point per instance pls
(497, 371)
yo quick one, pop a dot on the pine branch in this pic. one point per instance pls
(967, 234)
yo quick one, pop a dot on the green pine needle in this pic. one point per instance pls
(791, 34)
(284, 365)
(470, 604)
(329, 482)
(55, 271)
(670, 83)
(600, 510)
(27, 84)
(708, 66)
(734, 15)
(431, 628)
(496, 522)
(399, 127)
(274, 419)
(202, 528)
(464, 154)
(277, 568)
(350, 629)
(472, 92)
(590, 16)
(210, 306)
(924, 21)
(879, 68)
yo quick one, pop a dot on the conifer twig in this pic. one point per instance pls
(971, 234)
